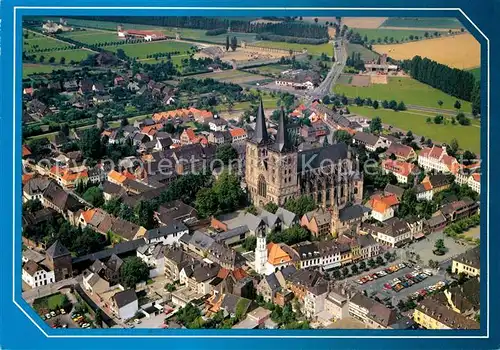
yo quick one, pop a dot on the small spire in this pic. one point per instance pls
(260, 134)
(281, 138)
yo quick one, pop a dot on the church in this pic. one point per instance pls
(276, 171)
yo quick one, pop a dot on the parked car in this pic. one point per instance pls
(47, 316)
(401, 265)
(86, 325)
(137, 321)
(387, 286)
(374, 276)
(428, 272)
(63, 312)
(53, 314)
(359, 281)
(398, 287)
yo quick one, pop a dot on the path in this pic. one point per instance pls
(30, 295)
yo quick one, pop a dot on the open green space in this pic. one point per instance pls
(395, 34)
(430, 22)
(70, 55)
(468, 137)
(366, 55)
(408, 90)
(274, 69)
(41, 43)
(269, 103)
(29, 69)
(326, 48)
(476, 72)
(176, 60)
(92, 36)
(143, 49)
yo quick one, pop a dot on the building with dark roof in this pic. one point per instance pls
(167, 235)
(467, 263)
(125, 304)
(175, 211)
(371, 312)
(58, 259)
(431, 314)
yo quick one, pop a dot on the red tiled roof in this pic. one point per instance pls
(399, 150)
(476, 177)
(237, 132)
(26, 151)
(402, 168)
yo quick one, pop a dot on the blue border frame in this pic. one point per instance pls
(15, 323)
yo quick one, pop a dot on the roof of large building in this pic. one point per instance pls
(57, 250)
(276, 255)
(366, 138)
(376, 311)
(470, 258)
(163, 231)
(352, 212)
(445, 315)
(314, 158)
(125, 297)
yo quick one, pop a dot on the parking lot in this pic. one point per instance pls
(377, 286)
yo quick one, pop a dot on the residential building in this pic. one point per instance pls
(461, 209)
(125, 304)
(36, 274)
(393, 233)
(437, 159)
(431, 185)
(371, 313)
(217, 124)
(238, 135)
(392, 189)
(402, 170)
(348, 218)
(302, 280)
(94, 283)
(175, 211)
(383, 207)
(198, 277)
(318, 222)
(58, 259)
(402, 153)
(314, 299)
(175, 260)
(370, 141)
(337, 305)
(467, 263)
(153, 255)
(219, 137)
(166, 235)
(431, 314)
(197, 242)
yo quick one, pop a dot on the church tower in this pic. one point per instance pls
(261, 252)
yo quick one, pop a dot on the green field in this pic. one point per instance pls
(274, 69)
(43, 43)
(42, 68)
(143, 49)
(431, 22)
(468, 137)
(92, 36)
(476, 72)
(396, 34)
(411, 91)
(176, 60)
(366, 55)
(70, 55)
(200, 34)
(326, 48)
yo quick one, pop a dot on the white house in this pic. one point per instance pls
(395, 233)
(217, 124)
(314, 299)
(337, 305)
(402, 170)
(474, 182)
(36, 275)
(166, 235)
(436, 158)
(383, 207)
(125, 304)
(153, 255)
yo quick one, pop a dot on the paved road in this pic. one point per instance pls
(42, 291)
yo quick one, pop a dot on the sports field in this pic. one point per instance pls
(431, 22)
(458, 51)
(274, 69)
(394, 34)
(468, 137)
(409, 90)
(366, 55)
(143, 49)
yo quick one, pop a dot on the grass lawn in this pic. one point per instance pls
(269, 103)
(311, 49)
(42, 68)
(55, 301)
(42, 42)
(200, 34)
(409, 90)
(476, 72)
(143, 49)
(275, 69)
(468, 137)
(431, 22)
(397, 34)
(176, 60)
(70, 55)
(366, 55)
(91, 36)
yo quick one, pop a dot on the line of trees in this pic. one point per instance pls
(456, 82)
(291, 39)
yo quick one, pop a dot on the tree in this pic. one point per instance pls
(124, 122)
(375, 104)
(300, 205)
(316, 20)
(271, 207)
(41, 58)
(440, 103)
(342, 136)
(345, 272)
(376, 125)
(438, 119)
(401, 106)
(234, 43)
(94, 196)
(227, 43)
(453, 147)
(336, 274)
(354, 269)
(206, 203)
(250, 243)
(62, 60)
(90, 144)
(326, 99)
(428, 120)
(121, 54)
(32, 206)
(133, 271)
(379, 260)
(439, 246)
(52, 60)
(144, 214)
(98, 318)
(226, 153)
(457, 105)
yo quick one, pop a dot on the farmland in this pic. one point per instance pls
(69, 55)
(143, 49)
(274, 69)
(326, 48)
(395, 34)
(458, 51)
(41, 68)
(366, 55)
(91, 36)
(232, 76)
(468, 137)
(409, 90)
(41, 42)
(431, 22)
(363, 22)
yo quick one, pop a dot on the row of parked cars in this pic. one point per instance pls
(381, 273)
(80, 320)
(52, 314)
(407, 280)
(423, 292)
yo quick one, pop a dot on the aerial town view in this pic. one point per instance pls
(251, 172)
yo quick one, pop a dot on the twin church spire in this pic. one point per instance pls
(282, 142)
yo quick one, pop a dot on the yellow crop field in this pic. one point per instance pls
(459, 51)
(363, 22)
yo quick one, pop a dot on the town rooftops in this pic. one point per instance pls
(32, 267)
(314, 158)
(399, 150)
(445, 315)
(57, 250)
(352, 212)
(198, 239)
(125, 297)
(376, 311)
(237, 231)
(366, 138)
(393, 189)
(164, 231)
(470, 258)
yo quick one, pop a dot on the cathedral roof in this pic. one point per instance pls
(316, 157)
(260, 135)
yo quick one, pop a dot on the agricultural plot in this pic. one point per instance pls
(363, 22)
(468, 137)
(143, 49)
(233, 76)
(43, 42)
(393, 35)
(274, 69)
(92, 36)
(458, 51)
(29, 69)
(409, 90)
(200, 34)
(434, 22)
(69, 55)
(366, 55)
(326, 48)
